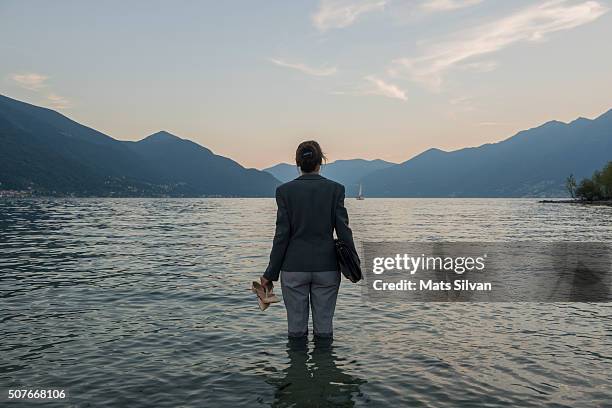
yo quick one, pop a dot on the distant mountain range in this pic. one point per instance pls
(49, 154)
(46, 153)
(347, 172)
(533, 163)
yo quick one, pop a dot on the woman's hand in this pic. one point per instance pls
(266, 283)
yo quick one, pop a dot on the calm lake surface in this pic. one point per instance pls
(144, 302)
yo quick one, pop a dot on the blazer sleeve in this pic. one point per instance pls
(281, 239)
(343, 231)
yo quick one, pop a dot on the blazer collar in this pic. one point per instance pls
(310, 177)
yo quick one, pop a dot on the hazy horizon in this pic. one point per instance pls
(370, 79)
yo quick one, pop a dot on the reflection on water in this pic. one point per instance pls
(144, 302)
(314, 380)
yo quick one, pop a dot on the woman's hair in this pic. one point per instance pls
(309, 155)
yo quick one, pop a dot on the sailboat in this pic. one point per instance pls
(360, 195)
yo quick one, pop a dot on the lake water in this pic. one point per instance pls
(144, 302)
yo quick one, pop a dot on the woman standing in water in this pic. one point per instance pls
(310, 208)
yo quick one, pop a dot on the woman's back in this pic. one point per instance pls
(310, 208)
(311, 201)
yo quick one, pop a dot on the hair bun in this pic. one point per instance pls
(307, 153)
(308, 156)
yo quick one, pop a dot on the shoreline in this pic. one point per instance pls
(607, 203)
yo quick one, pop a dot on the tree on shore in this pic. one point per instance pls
(598, 187)
(605, 178)
(588, 190)
(570, 185)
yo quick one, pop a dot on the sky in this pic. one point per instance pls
(368, 79)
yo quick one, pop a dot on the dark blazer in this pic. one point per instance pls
(310, 208)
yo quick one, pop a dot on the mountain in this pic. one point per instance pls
(45, 151)
(346, 172)
(532, 163)
(195, 170)
(283, 171)
(50, 154)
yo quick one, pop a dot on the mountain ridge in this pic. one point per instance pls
(347, 172)
(531, 163)
(47, 153)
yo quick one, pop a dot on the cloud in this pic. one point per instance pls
(529, 24)
(305, 68)
(343, 13)
(383, 88)
(30, 81)
(480, 66)
(58, 102)
(447, 5)
(375, 86)
(38, 84)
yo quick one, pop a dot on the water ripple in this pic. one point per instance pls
(143, 302)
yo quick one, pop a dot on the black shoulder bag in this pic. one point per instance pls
(348, 261)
